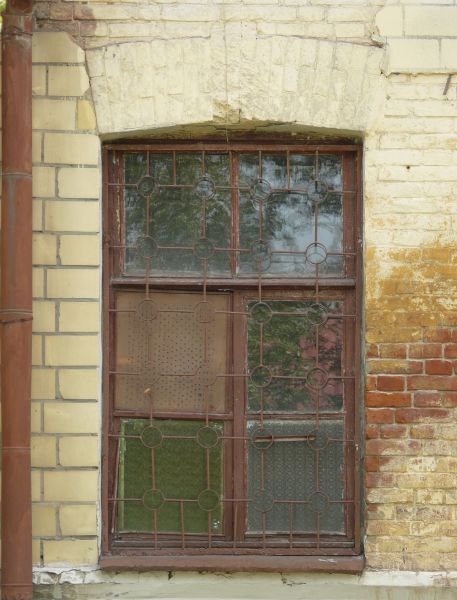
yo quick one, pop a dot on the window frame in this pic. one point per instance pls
(120, 556)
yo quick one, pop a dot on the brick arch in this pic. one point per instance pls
(228, 79)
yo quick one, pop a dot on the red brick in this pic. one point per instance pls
(392, 447)
(453, 335)
(370, 383)
(450, 351)
(371, 432)
(387, 399)
(394, 367)
(422, 431)
(425, 350)
(380, 480)
(390, 383)
(392, 351)
(380, 415)
(427, 399)
(450, 399)
(432, 382)
(371, 351)
(440, 334)
(415, 415)
(438, 367)
(371, 463)
(393, 431)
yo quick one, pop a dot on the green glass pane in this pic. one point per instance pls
(274, 170)
(298, 338)
(330, 171)
(290, 474)
(135, 223)
(135, 166)
(180, 474)
(301, 170)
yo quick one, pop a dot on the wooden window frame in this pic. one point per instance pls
(115, 556)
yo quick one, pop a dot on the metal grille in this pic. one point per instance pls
(231, 327)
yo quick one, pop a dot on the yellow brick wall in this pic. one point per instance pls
(66, 258)
(376, 69)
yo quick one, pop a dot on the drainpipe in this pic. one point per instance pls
(16, 301)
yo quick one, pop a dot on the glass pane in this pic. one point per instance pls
(188, 229)
(300, 463)
(164, 462)
(217, 167)
(135, 166)
(171, 351)
(294, 230)
(297, 346)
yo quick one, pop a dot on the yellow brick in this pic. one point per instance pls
(36, 146)
(79, 316)
(68, 148)
(36, 485)
(43, 520)
(55, 48)
(86, 116)
(44, 249)
(79, 183)
(38, 282)
(43, 451)
(72, 216)
(69, 350)
(73, 283)
(36, 552)
(70, 553)
(44, 316)
(35, 417)
(43, 384)
(78, 452)
(44, 182)
(53, 114)
(389, 21)
(78, 520)
(37, 215)
(37, 350)
(39, 80)
(67, 81)
(79, 384)
(71, 417)
(80, 250)
(70, 486)
(413, 54)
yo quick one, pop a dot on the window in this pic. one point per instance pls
(231, 355)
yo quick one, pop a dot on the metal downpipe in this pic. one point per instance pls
(16, 301)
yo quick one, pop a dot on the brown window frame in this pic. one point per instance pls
(342, 559)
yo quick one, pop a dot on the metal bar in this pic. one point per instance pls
(16, 300)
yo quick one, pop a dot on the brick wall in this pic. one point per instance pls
(66, 257)
(254, 61)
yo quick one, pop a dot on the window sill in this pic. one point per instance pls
(326, 564)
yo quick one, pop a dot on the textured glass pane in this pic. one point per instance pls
(171, 351)
(274, 170)
(300, 463)
(301, 170)
(330, 171)
(299, 344)
(162, 462)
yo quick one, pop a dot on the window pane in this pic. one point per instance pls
(162, 463)
(299, 479)
(172, 351)
(178, 229)
(298, 345)
(291, 215)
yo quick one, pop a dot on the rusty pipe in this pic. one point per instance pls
(16, 301)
